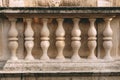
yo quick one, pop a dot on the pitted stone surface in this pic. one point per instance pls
(52, 66)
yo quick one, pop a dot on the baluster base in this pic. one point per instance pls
(44, 57)
(13, 58)
(60, 58)
(108, 58)
(92, 57)
(75, 58)
(30, 57)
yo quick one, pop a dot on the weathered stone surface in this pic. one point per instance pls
(52, 66)
(61, 10)
(57, 3)
(81, 67)
(44, 77)
(16, 3)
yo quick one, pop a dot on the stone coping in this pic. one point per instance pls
(103, 10)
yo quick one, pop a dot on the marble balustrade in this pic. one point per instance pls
(60, 39)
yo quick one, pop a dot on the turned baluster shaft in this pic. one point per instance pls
(60, 43)
(13, 44)
(107, 44)
(92, 39)
(76, 33)
(29, 39)
(45, 40)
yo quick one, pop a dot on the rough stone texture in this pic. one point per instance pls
(105, 3)
(68, 24)
(57, 3)
(52, 66)
(57, 76)
(38, 11)
(16, 3)
(99, 66)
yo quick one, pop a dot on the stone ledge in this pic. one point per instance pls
(65, 10)
(84, 66)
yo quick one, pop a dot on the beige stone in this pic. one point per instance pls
(76, 33)
(13, 44)
(107, 44)
(60, 44)
(29, 39)
(105, 3)
(57, 3)
(16, 3)
(1, 3)
(45, 55)
(92, 39)
(68, 44)
(45, 40)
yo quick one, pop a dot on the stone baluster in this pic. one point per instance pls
(45, 39)
(13, 44)
(60, 43)
(76, 33)
(107, 44)
(29, 39)
(92, 39)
